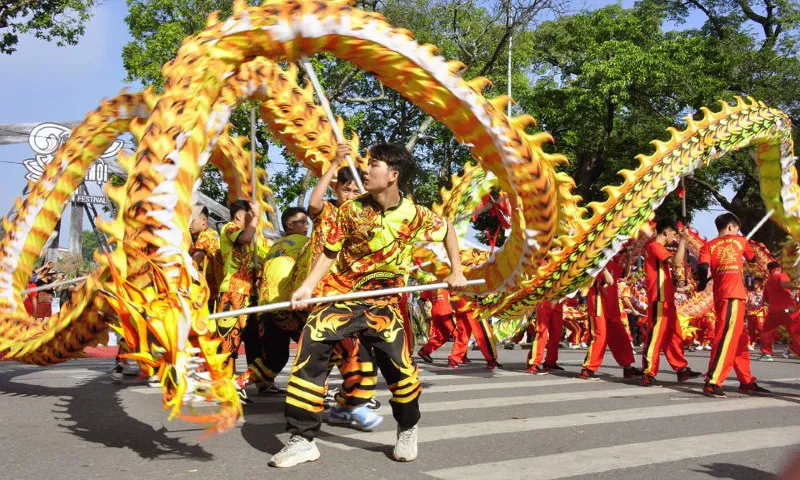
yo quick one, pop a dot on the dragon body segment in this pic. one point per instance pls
(149, 290)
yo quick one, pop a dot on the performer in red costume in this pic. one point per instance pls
(782, 310)
(605, 324)
(664, 329)
(721, 260)
(549, 324)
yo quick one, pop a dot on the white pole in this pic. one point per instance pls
(323, 100)
(53, 285)
(508, 107)
(760, 224)
(337, 298)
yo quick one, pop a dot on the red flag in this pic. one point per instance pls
(681, 192)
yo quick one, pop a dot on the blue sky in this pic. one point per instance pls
(44, 82)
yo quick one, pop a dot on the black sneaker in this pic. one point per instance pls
(714, 391)
(270, 389)
(373, 403)
(465, 360)
(509, 346)
(243, 398)
(687, 374)
(649, 381)
(753, 389)
(553, 366)
(425, 357)
(631, 372)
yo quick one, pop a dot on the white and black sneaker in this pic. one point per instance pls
(405, 450)
(297, 450)
(117, 373)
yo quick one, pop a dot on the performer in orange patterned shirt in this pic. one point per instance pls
(721, 260)
(236, 246)
(205, 252)
(371, 244)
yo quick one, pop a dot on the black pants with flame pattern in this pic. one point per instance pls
(378, 324)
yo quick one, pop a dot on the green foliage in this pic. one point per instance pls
(61, 20)
(610, 80)
(604, 82)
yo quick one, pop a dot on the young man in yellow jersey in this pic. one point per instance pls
(355, 401)
(371, 244)
(277, 329)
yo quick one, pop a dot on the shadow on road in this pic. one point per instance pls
(734, 472)
(93, 411)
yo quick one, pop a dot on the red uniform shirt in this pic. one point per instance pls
(659, 276)
(775, 295)
(724, 257)
(440, 302)
(609, 296)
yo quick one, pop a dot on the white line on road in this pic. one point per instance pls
(452, 405)
(496, 427)
(597, 460)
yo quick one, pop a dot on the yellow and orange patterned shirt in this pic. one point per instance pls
(236, 260)
(323, 222)
(208, 242)
(375, 245)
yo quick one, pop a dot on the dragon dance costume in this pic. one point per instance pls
(664, 330)
(605, 325)
(724, 257)
(374, 252)
(782, 310)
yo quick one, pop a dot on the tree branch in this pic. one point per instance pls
(423, 127)
(720, 198)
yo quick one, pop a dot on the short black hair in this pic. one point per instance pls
(773, 265)
(204, 212)
(291, 212)
(726, 219)
(398, 158)
(237, 206)
(345, 175)
(666, 223)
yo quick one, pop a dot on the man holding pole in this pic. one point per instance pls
(371, 246)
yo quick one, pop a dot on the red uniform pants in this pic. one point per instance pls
(664, 335)
(549, 324)
(468, 325)
(442, 328)
(608, 331)
(776, 318)
(730, 344)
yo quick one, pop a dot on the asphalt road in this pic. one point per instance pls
(72, 421)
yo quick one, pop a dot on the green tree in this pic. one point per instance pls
(608, 81)
(476, 33)
(61, 20)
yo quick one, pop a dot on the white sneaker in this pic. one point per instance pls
(751, 348)
(574, 346)
(787, 354)
(297, 450)
(583, 345)
(154, 382)
(405, 450)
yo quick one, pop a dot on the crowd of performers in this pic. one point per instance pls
(360, 242)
